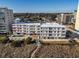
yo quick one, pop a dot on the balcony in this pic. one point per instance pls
(2, 28)
(2, 20)
(2, 14)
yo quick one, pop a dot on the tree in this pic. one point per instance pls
(4, 39)
(28, 40)
(73, 42)
(16, 43)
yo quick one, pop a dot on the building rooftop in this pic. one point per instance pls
(22, 23)
(42, 25)
(51, 25)
(17, 19)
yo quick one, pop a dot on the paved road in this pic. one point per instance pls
(74, 33)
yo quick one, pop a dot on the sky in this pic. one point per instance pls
(38, 6)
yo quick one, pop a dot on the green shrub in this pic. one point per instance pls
(73, 42)
(28, 40)
(3, 39)
(16, 43)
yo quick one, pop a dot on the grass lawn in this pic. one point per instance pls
(2, 37)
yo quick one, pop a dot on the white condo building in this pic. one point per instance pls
(26, 28)
(44, 30)
(52, 31)
(6, 18)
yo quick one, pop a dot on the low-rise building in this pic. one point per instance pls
(26, 28)
(44, 30)
(52, 31)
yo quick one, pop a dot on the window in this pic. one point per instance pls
(63, 34)
(27, 28)
(38, 28)
(58, 31)
(50, 34)
(48, 37)
(58, 28)
(32, 26)
(24, 33)
(54, 28)
(20, 31)
(52, 37)
(54, 34)
(54, 31)
(38, 31)
(50, 31)
(46, 31)
(14, 30)
(24, 30)
(44, 37)
(24, 25)
(58, 34)
(63, 31)
(63, 28)
(20, 25)
(59, 37)
(19, 28)
(50, 28)
(14, 27)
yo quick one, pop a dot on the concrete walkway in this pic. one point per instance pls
(33, 53)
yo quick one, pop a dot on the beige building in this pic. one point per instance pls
(77, 19)
(66, 18)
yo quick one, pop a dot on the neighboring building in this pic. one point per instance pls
(17, 20)
(62, 17)
(75, 12)
(66, 18)
(44, 30)
(77, 19)
(6, 18)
